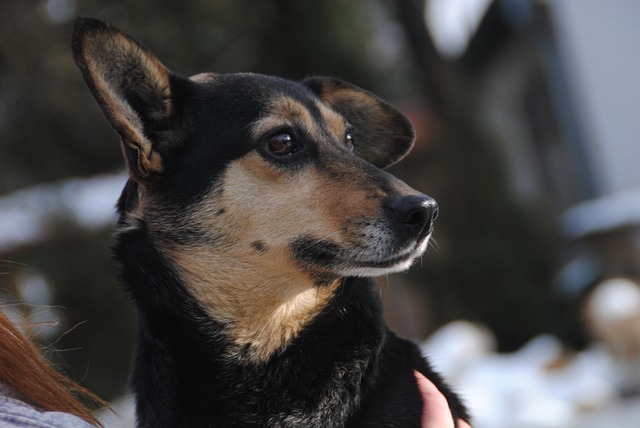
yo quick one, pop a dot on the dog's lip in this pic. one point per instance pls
(399, 258)
(357, 260)
(384, 263)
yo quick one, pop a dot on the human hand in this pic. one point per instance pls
(435, 411)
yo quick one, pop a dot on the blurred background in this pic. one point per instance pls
(528, 125)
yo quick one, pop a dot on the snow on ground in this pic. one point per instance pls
(26, 214)
(539, 386)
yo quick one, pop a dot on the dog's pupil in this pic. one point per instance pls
(281, 144)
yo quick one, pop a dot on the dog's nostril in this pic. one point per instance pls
(416, 218)
(416, 212)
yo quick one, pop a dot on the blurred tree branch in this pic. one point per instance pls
(443, 83)
(410, 14)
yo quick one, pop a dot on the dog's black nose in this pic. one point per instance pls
(416, 212)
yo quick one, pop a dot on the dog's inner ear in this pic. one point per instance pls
(133, 89)
(382, 134)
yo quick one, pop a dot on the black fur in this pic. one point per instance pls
(344, 368)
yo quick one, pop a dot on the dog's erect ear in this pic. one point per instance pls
(133, 89)
(382, 134)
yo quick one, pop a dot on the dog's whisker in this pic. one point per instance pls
(434, 244)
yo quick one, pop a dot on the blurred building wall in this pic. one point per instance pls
(557, 82)
(599, 42)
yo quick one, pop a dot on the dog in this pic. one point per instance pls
(255, 213)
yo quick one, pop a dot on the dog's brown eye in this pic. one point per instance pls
(349, 140)
(281, 144)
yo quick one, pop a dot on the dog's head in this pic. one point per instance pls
(264, 186)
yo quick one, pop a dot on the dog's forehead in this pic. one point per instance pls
(273, 101)
(259, 85)
(243, 87)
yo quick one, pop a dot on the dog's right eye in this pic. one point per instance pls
(282, 144)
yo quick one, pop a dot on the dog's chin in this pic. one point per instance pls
(392, 264)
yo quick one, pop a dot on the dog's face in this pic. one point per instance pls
(262, 192)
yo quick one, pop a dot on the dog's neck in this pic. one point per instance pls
(262, 308)
(185, 357)
(189, 378)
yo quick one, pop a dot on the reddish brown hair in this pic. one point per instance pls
(23, 368)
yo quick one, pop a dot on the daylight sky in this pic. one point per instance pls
(452, 22)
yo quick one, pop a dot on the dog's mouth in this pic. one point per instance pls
(360, 261)
(397, 262)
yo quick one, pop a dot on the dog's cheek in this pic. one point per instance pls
(272, 207)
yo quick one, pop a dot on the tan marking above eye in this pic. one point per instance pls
(283, 112)
(286, 112)
(334, 121)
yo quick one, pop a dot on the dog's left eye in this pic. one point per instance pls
(349, 140)
(282, 144)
